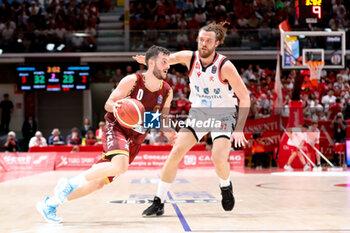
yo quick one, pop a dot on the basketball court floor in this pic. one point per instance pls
(266, 201)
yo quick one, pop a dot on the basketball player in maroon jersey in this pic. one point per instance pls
(120, 144)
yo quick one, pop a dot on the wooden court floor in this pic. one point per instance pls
(265, 202)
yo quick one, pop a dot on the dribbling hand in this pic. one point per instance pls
(239, 138)
(117, 105)
(140, 59)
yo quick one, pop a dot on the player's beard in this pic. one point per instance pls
(207, 53)
(157, 73)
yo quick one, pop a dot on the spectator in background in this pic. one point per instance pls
(259, 156)
(328, 99)
(129, 70)
(6, 110)
(56, 137)
(99, 131)
(263, 102)
(181, 103)
(11, 145)
(161, 139)
(37, 140)
(339, 125)
(347, 108)
(28, 130)
(90, 139)
(74, 138)
(142, 69)
(334, 109)
(86, 127)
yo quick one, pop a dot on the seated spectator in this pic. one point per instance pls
(328, 99)
(11, 144)
(37, 140)
(86, 127)
(56, 138)
(74, 138)
(161, 139)
(99, 131)
(90, 139)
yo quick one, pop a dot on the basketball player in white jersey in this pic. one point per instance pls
(313, 138)
(213, 82)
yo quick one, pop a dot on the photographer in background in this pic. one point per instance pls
(11, 144)
(258, 149)
(339, 125)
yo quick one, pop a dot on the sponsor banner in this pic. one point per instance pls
(77, 160)
(269, 129)
(193, 159)
(269, 124)
(28, 161)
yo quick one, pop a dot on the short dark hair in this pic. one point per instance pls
(305, 125)
(154, 51)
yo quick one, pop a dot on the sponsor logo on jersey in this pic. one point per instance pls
(160, 99)
(211, 79)
(217, 91)
(214, 69)
(197, 65)
(206, 91)
(196, 87)
(151, 120)
(198, 73)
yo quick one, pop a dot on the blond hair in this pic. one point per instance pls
(218, 28)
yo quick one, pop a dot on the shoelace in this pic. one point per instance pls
(51, 211)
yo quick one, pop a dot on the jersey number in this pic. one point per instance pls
(139, 94)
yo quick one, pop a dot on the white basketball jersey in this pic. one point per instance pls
(208, 90)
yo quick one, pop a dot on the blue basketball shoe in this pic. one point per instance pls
(48, 212)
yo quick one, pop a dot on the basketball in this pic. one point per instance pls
(129, 113)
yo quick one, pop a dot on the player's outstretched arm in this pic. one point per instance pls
(123, 90)
(229, 73)
(182, 57)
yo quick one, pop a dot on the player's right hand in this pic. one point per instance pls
(140, 59)
(117, 104)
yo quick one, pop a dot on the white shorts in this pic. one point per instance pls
(200, 123)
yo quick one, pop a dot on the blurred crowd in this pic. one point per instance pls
(32, 25)
(253, 23)
(86, 135)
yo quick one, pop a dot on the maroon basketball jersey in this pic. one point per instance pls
(151, 100)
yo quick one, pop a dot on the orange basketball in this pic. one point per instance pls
(130, 113)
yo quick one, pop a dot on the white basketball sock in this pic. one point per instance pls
(224, 183)
(163, 188)
(53, 201)
(78, 180)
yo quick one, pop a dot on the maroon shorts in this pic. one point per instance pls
(117, 141)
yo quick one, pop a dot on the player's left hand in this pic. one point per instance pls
(140, 59)
(239, 138)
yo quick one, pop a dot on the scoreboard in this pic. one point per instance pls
(309, 11)
(53, 77)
